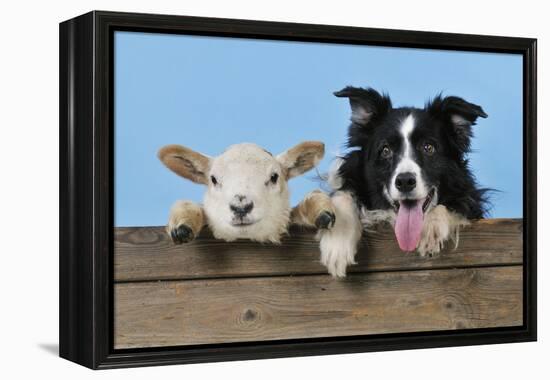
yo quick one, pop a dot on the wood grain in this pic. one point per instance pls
(147, 253)
(170, 313)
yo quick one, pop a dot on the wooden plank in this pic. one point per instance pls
(146, 253)
(151, 314)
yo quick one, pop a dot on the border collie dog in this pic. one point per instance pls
(407, 167)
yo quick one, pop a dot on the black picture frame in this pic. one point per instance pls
(86, 188)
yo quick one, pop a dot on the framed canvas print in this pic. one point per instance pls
(238, 189)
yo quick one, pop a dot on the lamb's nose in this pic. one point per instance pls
(242, 210)
(405, 182)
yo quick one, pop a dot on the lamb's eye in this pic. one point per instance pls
(386, 152)
(274, 177)
(214, 180)
(429, 149)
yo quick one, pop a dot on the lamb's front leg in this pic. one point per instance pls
(185, 222)
(315, 210)
(339, 244)
(440, 225)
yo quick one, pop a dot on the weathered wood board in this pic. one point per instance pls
(235, 310)
(217, 292)
(147, 253)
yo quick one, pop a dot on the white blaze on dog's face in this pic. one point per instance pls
(247, 192)
(409, 189)
(407, 181)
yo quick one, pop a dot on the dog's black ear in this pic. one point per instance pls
(460, 114)
(366, 104)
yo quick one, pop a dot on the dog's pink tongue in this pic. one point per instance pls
(408, 225)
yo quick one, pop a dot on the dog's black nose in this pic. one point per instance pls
(242, 210)
(405, 182)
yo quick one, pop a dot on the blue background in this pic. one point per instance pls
(209, 92)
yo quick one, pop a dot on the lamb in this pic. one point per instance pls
(247, 194)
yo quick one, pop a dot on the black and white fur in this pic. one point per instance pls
(403, 157)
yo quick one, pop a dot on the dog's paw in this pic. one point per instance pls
(337, 253)
(181, 234)
(440, 226)
(434, 234)
(325, 220)
(339, 244)
(433, 241)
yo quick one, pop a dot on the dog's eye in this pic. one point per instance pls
(274, 177)
(214, 180)
(429, 149)
(386, 152)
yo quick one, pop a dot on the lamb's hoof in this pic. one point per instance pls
(325, 220)
(182, 234)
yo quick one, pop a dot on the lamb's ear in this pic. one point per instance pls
(366, 104)
(185, 162)
(460, 114)
(301, 158)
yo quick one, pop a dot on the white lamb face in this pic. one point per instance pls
(247, 193)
